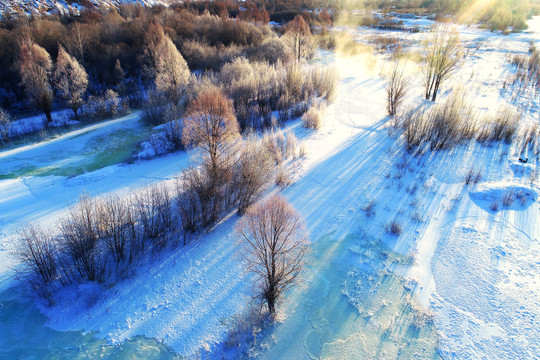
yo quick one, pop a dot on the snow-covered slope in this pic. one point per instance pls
(66, 6)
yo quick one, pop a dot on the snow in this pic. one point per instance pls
(461, 281)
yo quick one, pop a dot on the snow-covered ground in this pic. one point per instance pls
(461, 281)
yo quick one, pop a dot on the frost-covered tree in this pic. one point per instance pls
(298, 39)
(70, 80)
(35, 68)
(210, 124)
(171, 72)
(274, 242)
(442, 54)
(5, 126)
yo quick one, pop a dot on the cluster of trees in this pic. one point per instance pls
(105, 58)
(101, 238)
(37, 77)
(108, 44)
(442, 54)
(454, 121)
(250, 71)
(256, 85)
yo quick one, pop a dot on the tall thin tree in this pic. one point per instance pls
(298, 39)
(171, 73)
(442, 54)
(70, 80)
(35, 67)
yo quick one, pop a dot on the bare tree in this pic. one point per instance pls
(210, 124)
(171, 71)
(79, 240)
(35, 67)
(70, 80)
(396, 89)
(37, 253)
(442, 54)
(298, 39)
(5, 126)
(274, 239)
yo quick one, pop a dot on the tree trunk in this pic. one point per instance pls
(271, 303)
(48, 115)
(435, 91)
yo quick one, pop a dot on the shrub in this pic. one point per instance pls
(252, 172)
(116, 223)
(271, 50)
(312, 119)
(157, 110)
(79, 241)
(396, 89)
(106, 105)
(37, 253)
(322, 82)
(473, 176)
(153, 208)
(393, 227)
(291, 144)
(441, 126)
(503, 127)
(283, 177)
(369, 208)
(508, 198)
(173, 133)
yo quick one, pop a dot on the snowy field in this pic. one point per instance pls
(462, 281)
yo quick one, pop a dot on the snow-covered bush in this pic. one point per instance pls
(173, 133)
(283, 176)
(322, 82)
(117, 226)
(312, 119)
(106, 105)
(508, 198)
(155, 110)
(255, 89)
(502, 127)
(441, 126)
